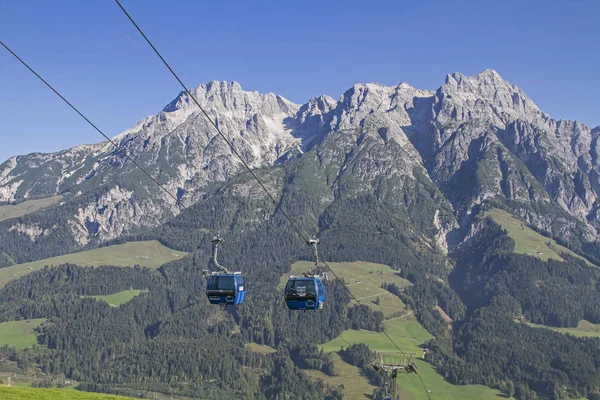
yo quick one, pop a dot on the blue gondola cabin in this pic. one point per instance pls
(304, 293)
(225, 289)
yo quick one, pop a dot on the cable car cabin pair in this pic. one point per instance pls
(304, 293)
(225, 289)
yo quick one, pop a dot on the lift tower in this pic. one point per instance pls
(391, 370)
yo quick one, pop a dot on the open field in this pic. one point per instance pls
(364, 281)
(116, 299)
(408, 334)
(19, 334)
(23, 393)
(411, 388)
(260, 348)
(356, 387)
(528, 241)
(583, 329)
(150, 254)
(26, 207)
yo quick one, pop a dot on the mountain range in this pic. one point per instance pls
(386, 174)
(474, 139)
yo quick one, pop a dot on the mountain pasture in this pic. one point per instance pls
(356, 386)
(528, 241)
(583, 329)
(406, 332)
(25, 393)
(150, 254)
(27, 207)
(116, 299)
(409, 335)
(19, 334)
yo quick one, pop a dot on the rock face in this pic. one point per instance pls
(178, 146)
(475, 139)
(178, 141)
(484, 128)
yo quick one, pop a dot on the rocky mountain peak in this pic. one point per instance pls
(485, 97)
(365, 101)
(220, 98)
(378, 95)
(469, 125)
(489, 76)
(319, 105)
(254, 122)
(313, 119)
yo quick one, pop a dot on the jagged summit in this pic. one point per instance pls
(321, 103)
(487, 74)
(443, 133)
(228, 94)
(486, 96)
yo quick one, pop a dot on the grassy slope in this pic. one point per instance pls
(260, 348)
(405, 330)
(355, 386)
(408, 334)
(22, 393)
(27, 207)
(528, 241)
(583, 329)
(19, 333)
(116, 299)
(149, 253)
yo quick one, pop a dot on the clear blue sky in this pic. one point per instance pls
(300, 49)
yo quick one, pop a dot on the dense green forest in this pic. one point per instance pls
(170, 336)
(488, 346)
(167, 336)
(170, 340)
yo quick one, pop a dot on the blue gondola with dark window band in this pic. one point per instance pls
(225, 289)
(304, 293)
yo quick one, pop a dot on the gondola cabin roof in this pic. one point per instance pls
(214, 273)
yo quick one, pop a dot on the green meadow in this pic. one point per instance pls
(19, 334)
(528, 241)
(116, 299)
(26, 207)
(364, 281)
(149, 253)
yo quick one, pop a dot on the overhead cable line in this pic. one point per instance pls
(116, 146)
(277, 205)
(275, 202)
(122, 151)
(383, 330)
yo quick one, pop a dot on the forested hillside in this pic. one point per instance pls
(204, 347)
(499, 288)
(173, 325)
(389, 175)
